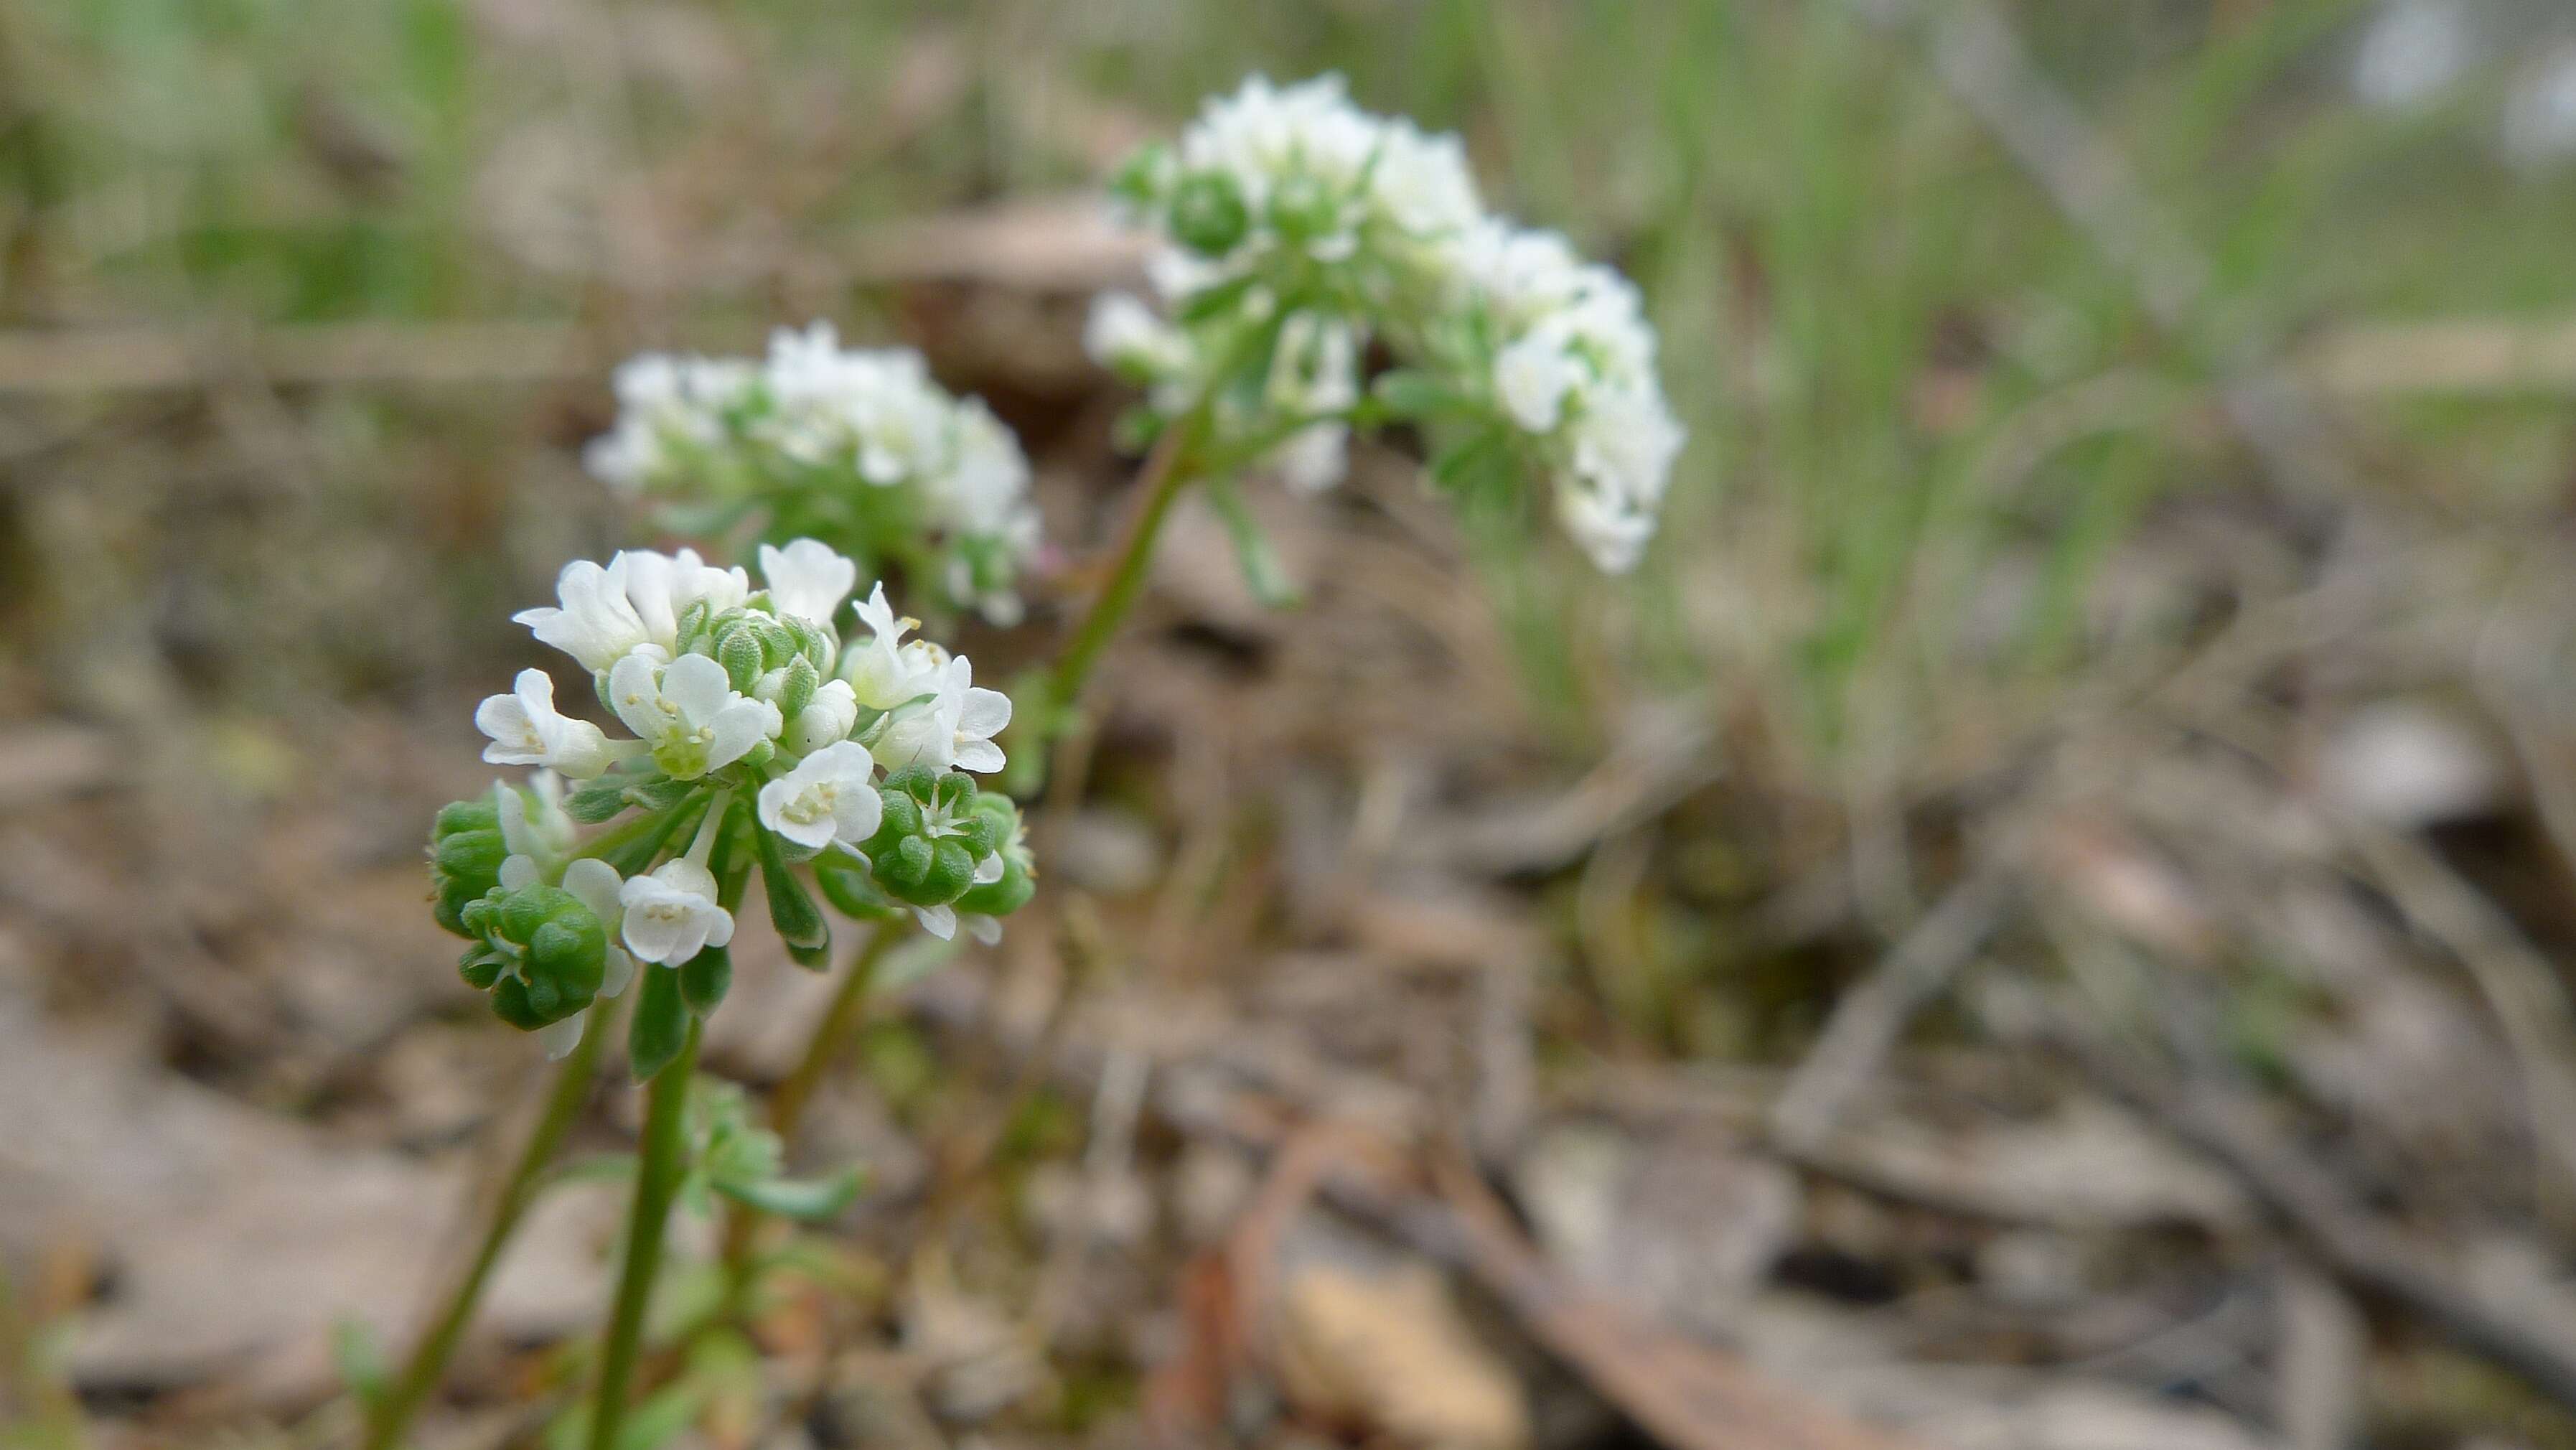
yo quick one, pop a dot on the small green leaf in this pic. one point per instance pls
(1263, 574)
(1414, 393)
(799, 921)
(659, 792)
(851, 890)
(1218, 300)
(807, 1200)
(705, 978)
(596, 802)
(661, 1026)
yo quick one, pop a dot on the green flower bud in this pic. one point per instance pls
(465, 855)
(693, 623)
(1208, 214)
(542, 954)
(743, 659)
(920, 852)
(812, 642)
(796, 690)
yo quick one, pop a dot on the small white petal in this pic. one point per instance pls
(594, 883)
(560, 1038)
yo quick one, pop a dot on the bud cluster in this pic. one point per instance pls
(753, 738)
(854, 445)
(1299, 229)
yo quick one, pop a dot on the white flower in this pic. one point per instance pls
(807, 579)
(1611, 530)
(1625, 444)
(538, 841)
(955, 727)
(825, 719)
(939, 921)
(526, 730)
(829, 796)
(672, 915)
(662, 400)
(1313, 459)
(596, 623)
(1532, 377)
(594, 884)
(661, 587)
(1123, 333)
(687, 713)
(1421, 182)
(882, 671)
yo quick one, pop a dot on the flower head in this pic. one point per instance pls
(1301, 231)
(739, 729)
(804, 433)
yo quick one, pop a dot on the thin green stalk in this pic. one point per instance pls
(391, 1416)
(787, 1102)
(1162, 481)
(657, 1181)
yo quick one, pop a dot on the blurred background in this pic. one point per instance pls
(2038, 919)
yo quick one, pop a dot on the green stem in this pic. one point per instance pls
(1163, 478)
(392, 1415)
(787, 1102)
(657, 1181)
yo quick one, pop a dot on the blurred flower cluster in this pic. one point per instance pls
(1300, 230)
(857, 446)
(752, 738)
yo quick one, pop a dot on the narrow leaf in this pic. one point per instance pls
(661, 1025)
(808, 1200)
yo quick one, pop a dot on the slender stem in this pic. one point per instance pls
(392, 1415)
(657, 1180)
(1162, 480)
(787, 1101)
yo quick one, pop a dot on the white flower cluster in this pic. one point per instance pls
(851, 758)
(858, 444)
(1299, 229)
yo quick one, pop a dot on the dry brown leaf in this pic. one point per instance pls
(1387, 1348)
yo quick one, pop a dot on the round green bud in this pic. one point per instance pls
(796, 688)
(479, 814)
(466, 850)
(544, 954)
(1208, 214)
(739, 651)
